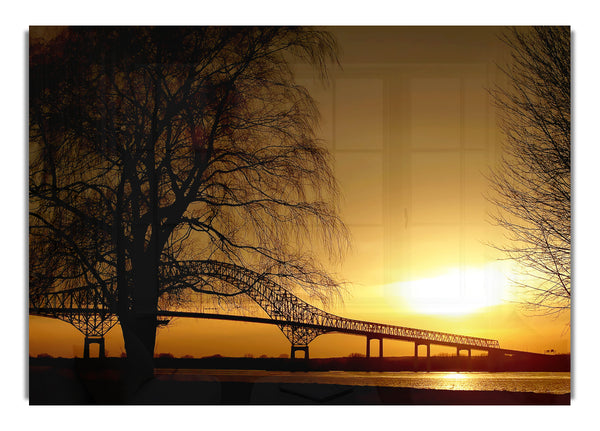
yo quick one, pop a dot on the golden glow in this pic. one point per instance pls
(455, 376)
(417, 218)
(457, 291)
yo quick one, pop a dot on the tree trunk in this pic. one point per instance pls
(139, 329)
(140, 364)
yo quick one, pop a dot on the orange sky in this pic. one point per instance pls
(412, 133)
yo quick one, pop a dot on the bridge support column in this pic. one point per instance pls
(96, 340)
(296, 347)
(369, 346)
(416, 364)
(459, 349)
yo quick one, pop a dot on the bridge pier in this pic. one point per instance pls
(96, 340)
(416, 364)
(369, 346)
(459, 349)
(304, 348)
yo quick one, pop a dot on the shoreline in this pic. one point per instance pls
(56, 383)
(557, 363)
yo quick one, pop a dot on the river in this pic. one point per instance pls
(537, 382)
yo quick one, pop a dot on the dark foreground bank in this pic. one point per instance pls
(78, 382)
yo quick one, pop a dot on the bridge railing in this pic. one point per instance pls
(280, 304)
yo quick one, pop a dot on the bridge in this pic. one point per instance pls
(90, 312)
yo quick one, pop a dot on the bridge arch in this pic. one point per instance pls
(299, 321)
(277, 302)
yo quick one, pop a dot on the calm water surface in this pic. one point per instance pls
(539, 382)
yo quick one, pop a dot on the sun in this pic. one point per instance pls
(457, 291)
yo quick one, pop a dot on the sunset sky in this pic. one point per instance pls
(412, 131)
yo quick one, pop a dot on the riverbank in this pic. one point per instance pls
(555, 363)
(83, 382)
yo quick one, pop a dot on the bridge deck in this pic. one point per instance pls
(363, 328)
(300, 321)
(358, 327)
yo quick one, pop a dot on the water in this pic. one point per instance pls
(537, 382)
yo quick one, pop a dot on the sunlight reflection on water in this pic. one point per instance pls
(539, 382)
(455, 376)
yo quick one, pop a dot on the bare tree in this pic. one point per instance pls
(153, 145)
(532, 186)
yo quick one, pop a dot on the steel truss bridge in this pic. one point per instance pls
(88, 310)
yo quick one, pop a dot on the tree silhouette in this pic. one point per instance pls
(532, 187)
(153, 145)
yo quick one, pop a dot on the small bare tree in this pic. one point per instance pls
(532, 186)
